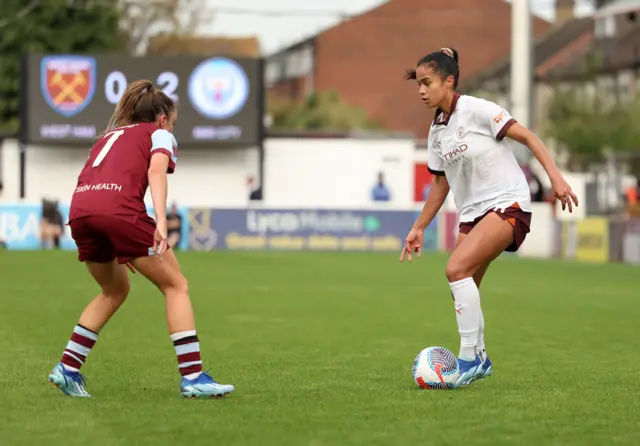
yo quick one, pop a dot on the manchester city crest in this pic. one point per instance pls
(218, 88)
(68, 83)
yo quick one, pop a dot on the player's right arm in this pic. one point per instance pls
(437, 194)
(435, 200)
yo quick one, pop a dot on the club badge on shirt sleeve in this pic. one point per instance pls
(499, 117)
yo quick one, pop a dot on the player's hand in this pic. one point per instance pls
(160, 243)
(562, 191)
(413, 243)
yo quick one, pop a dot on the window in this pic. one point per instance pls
(299, 62)
(273, 72)
(605, 26)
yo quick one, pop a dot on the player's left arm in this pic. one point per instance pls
(526, 137)
(163, 161)
(157, 175)
(504, 125)
(500, 124)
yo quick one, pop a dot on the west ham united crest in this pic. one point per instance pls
(68, 83)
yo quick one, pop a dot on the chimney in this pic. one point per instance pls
(564, 10)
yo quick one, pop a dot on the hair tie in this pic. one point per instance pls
(448, 52)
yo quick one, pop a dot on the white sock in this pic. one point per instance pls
(467, 305)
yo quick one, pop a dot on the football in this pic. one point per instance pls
(435, 368)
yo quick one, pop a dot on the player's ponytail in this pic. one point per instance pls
(140, 102)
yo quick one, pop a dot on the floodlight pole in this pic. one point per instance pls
(521, 63)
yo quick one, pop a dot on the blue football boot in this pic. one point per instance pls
(469, 371)
(204, 386)
(71, 383)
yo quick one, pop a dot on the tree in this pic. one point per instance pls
(143, 19)
(589, 123)
(48, 26)
(319, 111)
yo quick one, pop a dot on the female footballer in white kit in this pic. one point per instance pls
(469, 154)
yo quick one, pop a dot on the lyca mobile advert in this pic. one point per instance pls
(286, 229)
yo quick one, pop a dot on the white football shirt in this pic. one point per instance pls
(469, 148)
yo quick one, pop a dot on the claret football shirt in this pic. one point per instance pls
(114, 179)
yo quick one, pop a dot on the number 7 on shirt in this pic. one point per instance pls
(113, 136)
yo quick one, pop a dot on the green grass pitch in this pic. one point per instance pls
(320, 348)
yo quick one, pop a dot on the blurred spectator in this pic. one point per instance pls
(632, 195)
(255, 192)
(380, 191)
(52, 226)
(174, 227)
(537, 191)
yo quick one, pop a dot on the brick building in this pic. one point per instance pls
(364, 58)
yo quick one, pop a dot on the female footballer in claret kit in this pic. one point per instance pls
(111, 227)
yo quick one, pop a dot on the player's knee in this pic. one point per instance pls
(457, 271)
(183, 285)
(117, 294)
(178, 286)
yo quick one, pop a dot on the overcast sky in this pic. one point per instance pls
(306, 17)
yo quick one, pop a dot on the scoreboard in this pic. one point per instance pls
(69, 99)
